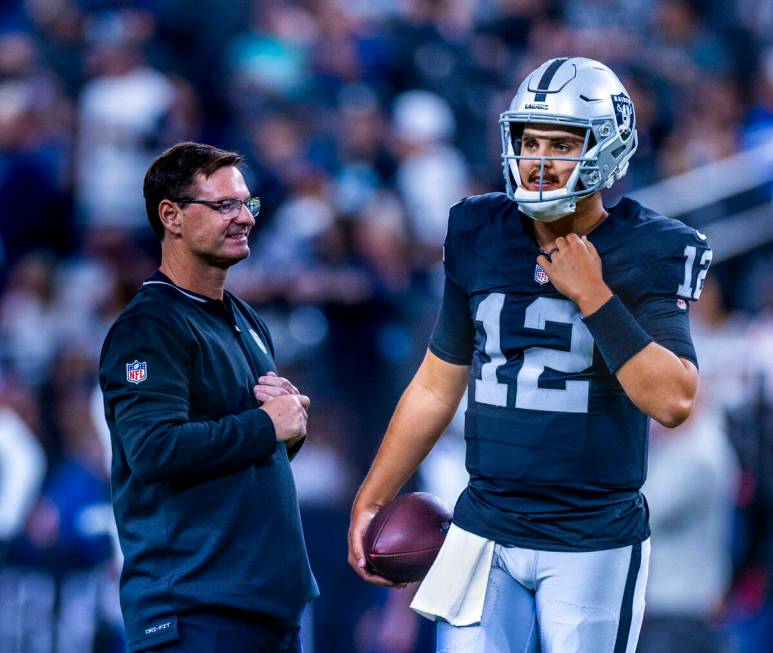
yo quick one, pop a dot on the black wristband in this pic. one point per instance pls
(616, 332)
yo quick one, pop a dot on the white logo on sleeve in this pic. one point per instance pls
(137, 372)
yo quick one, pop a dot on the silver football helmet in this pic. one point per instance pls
(571, 92)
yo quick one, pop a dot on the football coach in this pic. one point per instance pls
(202, 431)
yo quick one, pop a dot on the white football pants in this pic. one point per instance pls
(557, 602)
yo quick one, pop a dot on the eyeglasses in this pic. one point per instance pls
(228, 208)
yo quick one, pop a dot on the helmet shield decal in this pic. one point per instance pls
(626, 119)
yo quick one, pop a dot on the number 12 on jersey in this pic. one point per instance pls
(573, 397)
(686, 289)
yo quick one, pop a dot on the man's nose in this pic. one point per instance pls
(244, 216)
(544, 150)
(541, 155)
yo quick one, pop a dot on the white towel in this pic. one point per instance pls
(455, 586)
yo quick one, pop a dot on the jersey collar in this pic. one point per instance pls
(159, 278)
(618, 215)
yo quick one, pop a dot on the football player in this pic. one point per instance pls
(567, 321)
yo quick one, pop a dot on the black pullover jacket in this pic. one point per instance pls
(203, 495)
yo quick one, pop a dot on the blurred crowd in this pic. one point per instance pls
(362, 123)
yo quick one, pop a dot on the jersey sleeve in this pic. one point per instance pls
(668, 323)
(683, 272)
(453, 336)
(151, 414)
(664, 310)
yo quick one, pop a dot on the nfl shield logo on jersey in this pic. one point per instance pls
(136, 372)
(540, 276)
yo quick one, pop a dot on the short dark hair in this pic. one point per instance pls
(172, 174)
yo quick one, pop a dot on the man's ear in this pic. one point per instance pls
(171, 216)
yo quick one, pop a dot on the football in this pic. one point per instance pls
(403, 539)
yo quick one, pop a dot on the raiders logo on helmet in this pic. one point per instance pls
(624, 114)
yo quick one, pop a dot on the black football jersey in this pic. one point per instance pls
(556, 451)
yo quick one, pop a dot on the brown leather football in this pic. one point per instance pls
(403, 539)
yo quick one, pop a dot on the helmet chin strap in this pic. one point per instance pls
(554, 204)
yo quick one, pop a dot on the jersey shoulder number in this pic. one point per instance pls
(696, 258)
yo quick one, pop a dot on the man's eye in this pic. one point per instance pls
(226, 206)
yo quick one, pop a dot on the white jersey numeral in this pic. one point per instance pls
(705, 262)
(573, 398)
(488, 390)
(685, 288)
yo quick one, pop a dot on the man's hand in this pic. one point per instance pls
(271, 385)
(361, 518)
(574, 269)
(288, 413)
(286, 407)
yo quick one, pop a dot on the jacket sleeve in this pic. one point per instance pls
(149, 410)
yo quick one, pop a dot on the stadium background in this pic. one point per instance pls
(362, 123)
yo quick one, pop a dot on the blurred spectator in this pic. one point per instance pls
(128, 112)
(70, 526)
(278, 145)
(22, 461)
(34, 144)
(365, 162)
(63, 556)
(615, 16)
(721, 339)
(758, 125)
(690, 487)
(326, 481)
(683, 47)
(27, 321)
(706, 134)
(756, 16)
(58, 29)
(431, 174)
(270, 61)
(749, 608)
